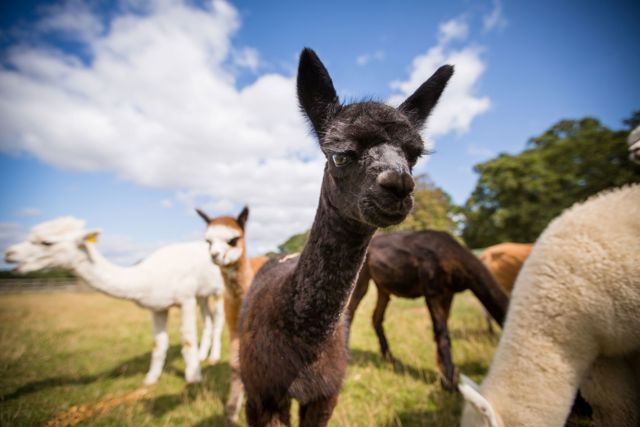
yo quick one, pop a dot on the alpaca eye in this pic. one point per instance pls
(45, 243)
(234, 241)
(340, 159)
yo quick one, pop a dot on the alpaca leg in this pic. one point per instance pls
(268, 414)
(160, 346)
(378, 318)
(218, 325)
(189, 341)
(318, 412)
(236, 391)
(207, 328)
(439, 306)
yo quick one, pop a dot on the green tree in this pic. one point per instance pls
(432, 209)
(517, 195)
(294, 243)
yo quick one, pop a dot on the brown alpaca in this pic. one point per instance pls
(504, 261)
(292, 328)
(227, 246)
(429, 264)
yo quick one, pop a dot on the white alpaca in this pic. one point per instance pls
(176, 275)
(573, 322)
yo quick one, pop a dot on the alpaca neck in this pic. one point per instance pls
(104, 276)
(238, 277)
(534, 377)
(325, 273)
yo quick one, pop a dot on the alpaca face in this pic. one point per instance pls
(42, 254)
(225, 236)
(370, 147)
(225, 244)
(370, 150)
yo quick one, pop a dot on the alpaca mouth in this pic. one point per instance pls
(384, 216)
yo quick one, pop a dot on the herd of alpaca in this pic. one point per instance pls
(570, 304)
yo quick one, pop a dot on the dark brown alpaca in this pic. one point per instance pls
(429, 264)
(292, 328)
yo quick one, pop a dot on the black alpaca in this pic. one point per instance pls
(292, 326)
(429, 264)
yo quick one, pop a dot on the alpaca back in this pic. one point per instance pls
(585, 271)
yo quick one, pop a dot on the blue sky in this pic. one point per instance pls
(128, 114)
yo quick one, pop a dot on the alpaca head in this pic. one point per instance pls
(370, 147)
(225, 236)
(59, 243)
(634, 145)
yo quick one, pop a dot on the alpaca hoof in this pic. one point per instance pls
(388, 357)
(230, 422)
(150, 380)
(450, 384)
(213, 360)
(194, 378)
(447, 384)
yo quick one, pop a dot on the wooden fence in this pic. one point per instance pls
(17, 286)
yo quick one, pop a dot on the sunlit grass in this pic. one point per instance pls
(60, 351)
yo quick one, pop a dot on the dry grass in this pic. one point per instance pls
(81, 358)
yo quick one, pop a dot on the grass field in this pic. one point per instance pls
(81, 357)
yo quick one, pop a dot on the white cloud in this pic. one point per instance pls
(72, 18)
(366, 58)
(247, 58)
(459, 104)
(454, 29)
(29, 212)
(158, 106)
(494, 19)
(480, 152)
(166, 203)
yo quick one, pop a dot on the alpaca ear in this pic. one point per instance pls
(316, 94)
(242, 218)
(203, 215)
(471, 392)
(419, 105)
(89, 237)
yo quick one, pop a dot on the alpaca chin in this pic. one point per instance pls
(378, 216)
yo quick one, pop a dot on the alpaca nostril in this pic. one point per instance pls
(400, 185)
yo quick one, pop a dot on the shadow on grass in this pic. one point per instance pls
(135, 365)
(366, 357)
(216, 379)
(468, 334)
(446, 411)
